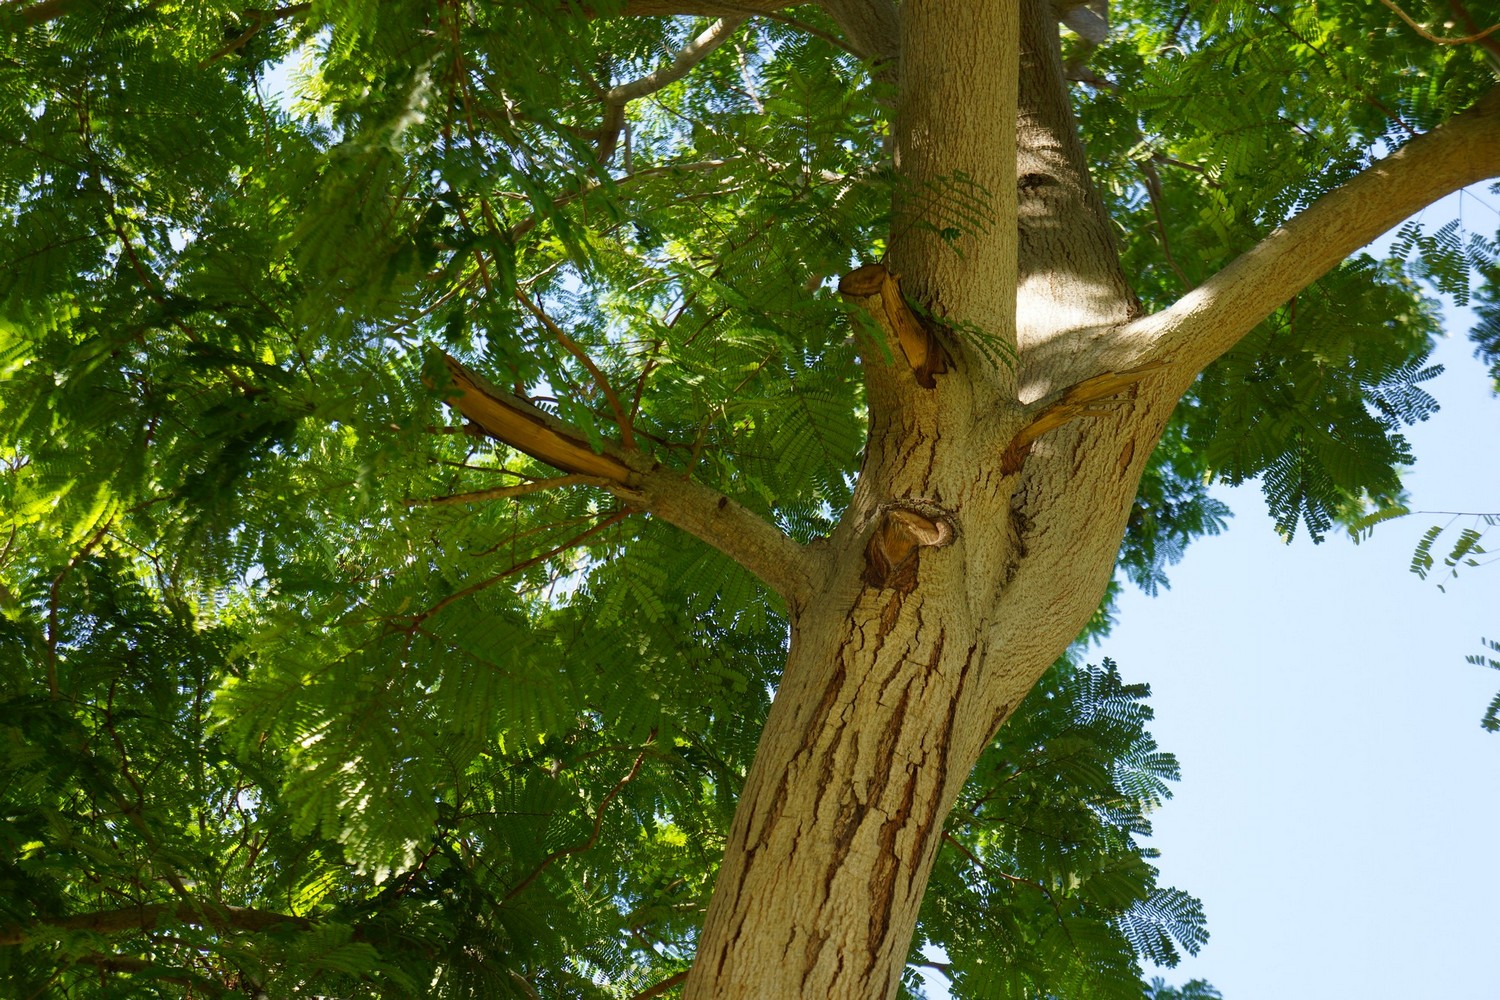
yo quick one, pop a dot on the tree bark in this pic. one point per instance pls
(890, 692)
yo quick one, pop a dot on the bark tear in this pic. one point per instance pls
(1103, 390)
(526, 428)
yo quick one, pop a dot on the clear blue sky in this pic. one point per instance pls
(1340, 806)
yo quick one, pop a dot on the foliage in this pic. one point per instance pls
(1202, 145)
(1465, 547)
(1491, 720)
(307, 691)
(1195, 989)
(1043, 887)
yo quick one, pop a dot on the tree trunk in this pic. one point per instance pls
(951, 587)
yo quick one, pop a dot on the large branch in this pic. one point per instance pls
(762, 548)
(1212, 318)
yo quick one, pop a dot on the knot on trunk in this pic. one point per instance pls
(891, 554)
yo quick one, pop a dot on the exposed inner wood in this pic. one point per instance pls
(880, 293)
(526, 428)
(891, 555)
(1074, 403)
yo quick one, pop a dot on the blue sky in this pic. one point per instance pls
(1338, 813)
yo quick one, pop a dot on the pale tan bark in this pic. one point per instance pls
(953, 245)
(871, 26)
(1069, 271)
(884, 704)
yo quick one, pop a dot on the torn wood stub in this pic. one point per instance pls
(1073, 403)
(891, 553)
(875, 288)
(525, 428)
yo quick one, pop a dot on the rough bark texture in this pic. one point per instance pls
(891, 691)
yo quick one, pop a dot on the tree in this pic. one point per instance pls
(413, 488)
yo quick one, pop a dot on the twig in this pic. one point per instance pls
(146, 916)
(505, 492)
(1491, 46)
(474, 588)
(47, 10)
(618, 96)
(626, 437)
(52, 623)
(1439, 39)
(1368, 97)
(1154, 193)
(259, 19)
(592, 839)
(666, 984)
(691, 55)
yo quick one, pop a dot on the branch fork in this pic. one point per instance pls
(755, 543)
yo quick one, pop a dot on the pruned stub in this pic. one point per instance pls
(892, 553)
(879, 292)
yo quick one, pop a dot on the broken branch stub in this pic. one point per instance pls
(891, 554)
(877, 290)
(749, 539)
(526, 428)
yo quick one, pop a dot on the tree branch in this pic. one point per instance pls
(148, 915)
(691, 55)
(47, 10)
(755, 543)
(1212, 318)
(666, 984)
(506, 492)
(1154, 193)
(258, 21)
(593, 837)
(577, 352)
(1490, 45)
(1089, 398)
(1439, 39)
(617, 97)
(128, 963)
(697, 8)
(871, 26)
(520, 567)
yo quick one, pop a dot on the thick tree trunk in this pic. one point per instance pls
(931, 626)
